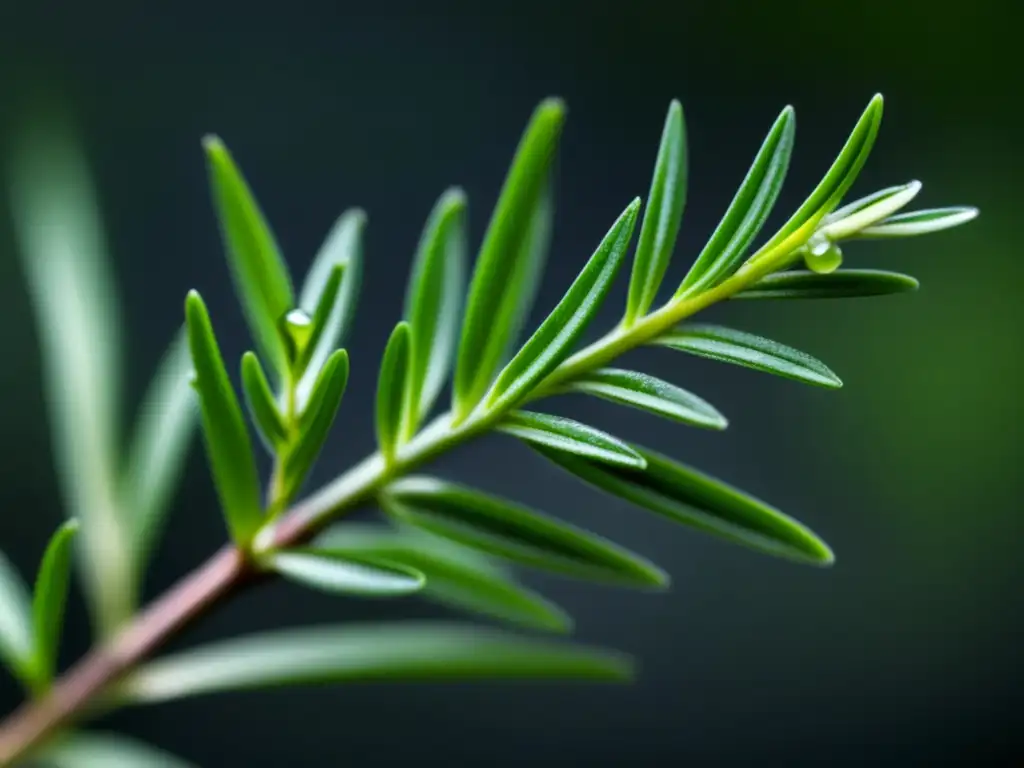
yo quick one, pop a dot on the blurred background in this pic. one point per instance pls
(906, 652)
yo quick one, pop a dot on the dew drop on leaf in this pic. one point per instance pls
(298, 327)
(822, 255)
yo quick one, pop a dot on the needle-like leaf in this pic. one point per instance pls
(51, 592)
(665, 203)
(16, 644)
(105, 750)
(554, 340)
(690, 497)
(731, 346)
(564, 434)
(748, 210)
(509, 261)
(648, 393)
(920, 222)
(261, 277)
(261, 403)
(392, 386)
(404, 651)
(506, 530)
(227, 439)
(841, 284)
(853, 218)
(338, 572)
(433, 303)
(320, 319)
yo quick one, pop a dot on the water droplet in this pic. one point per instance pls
(298, 327)
(822, 256)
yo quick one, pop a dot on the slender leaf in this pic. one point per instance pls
(554, 340)
(748, 210)
(567, 435)
(73, 294)
(510, 260)
(261, 276)
(105, 750)
(456, 577)
(730, 346)
(391, 389)
(51, 593)
(664, 212)
(648, 393)
(344, 246)
(844, 283)
(316, 421)
(506, 530)
(433, 303)
(164, 427)
(852, 218)
(262, 406)
(833, 187)
(339, 572)
(401, 651)
(920, 222)
(692, 498)
(16, 645)
(227, 440)
(321, 318)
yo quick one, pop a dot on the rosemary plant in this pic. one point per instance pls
(448, 541)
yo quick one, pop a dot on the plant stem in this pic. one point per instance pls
(230, 569)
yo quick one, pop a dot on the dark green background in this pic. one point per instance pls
(907, 652)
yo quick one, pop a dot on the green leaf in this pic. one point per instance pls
(841, 284)
(391, 389)
(344, 246)
(506, 530)
(163, 432)
(852, 218)
(665, 203)
(64, 255)
(510, 260)
(320, 320)
(833, 187)
(402, 651)
(338, 572)
(554, 340)
(730, 346)
(692, 498)
(433, 303)
(567, 435)
(456, 577)
(748, 210)
(920, 222)
(261, 404)
(316, 422)
(648, 393)
(261, 276)
(227, 440)
(51, 593)
(105, 750)
(16, 645)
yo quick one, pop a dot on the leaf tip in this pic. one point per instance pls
(213, 144)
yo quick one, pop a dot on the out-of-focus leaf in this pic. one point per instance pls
(841, 284)
(852, 218)
(748, 210)
(456, 577)
(261, 276)
(665, 203)
(433, 303)
(51, 593)
(564, 434)
(509, 262)
(401, 651)
(731, 346)
(506, 530)
(73, 294)
(320, 320)
(105, 750)
(261, 403)
(391, 391)
(334, 571)
(648, 393)
(344, 246)
(557, 335)
(692, 498)
(227, 440)
(16, 644)
(920, 222)
(164, 427)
